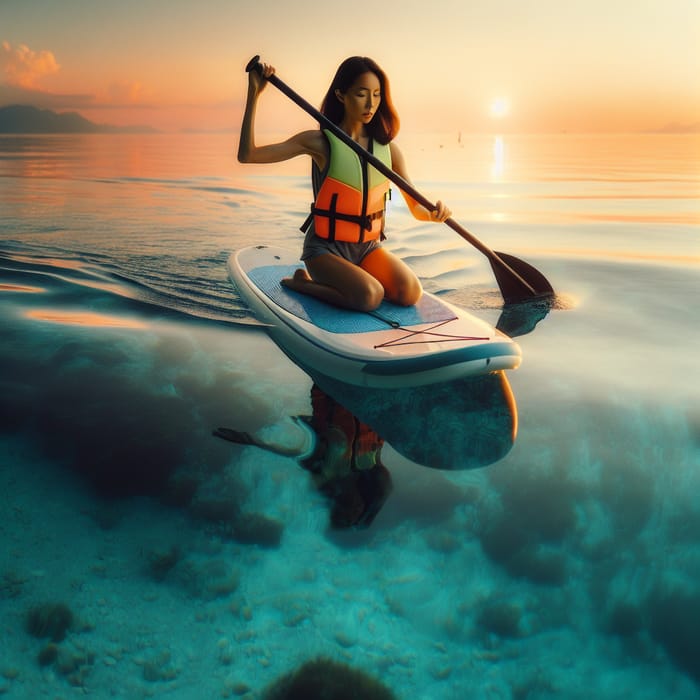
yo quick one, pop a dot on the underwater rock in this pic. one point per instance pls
(441, 672)
(327, 679)
(226, 651)
(74, 665)
(161, 562)
(159, 668)
(71, 662)
(296, 612)
(50, 620)
(233, 686)
(344, 639)
(208, 580)
(255, 528)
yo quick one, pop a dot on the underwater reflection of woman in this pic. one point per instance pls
(342, 454)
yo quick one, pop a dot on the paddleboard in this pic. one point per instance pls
(467, 423)
(393, 347)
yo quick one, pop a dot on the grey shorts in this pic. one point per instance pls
(354, 252)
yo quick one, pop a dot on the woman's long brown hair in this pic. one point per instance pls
(385, 123)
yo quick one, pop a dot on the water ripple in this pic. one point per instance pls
(58, 283)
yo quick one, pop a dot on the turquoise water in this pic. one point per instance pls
(565, 565)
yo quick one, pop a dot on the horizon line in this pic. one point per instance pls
(666, 129)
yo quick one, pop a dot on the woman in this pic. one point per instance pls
(346, 264)
(343, 455)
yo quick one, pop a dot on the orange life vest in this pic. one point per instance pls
(363, 445)
(351, 201)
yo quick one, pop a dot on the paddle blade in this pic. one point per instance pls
(519, 319)
(513, 289)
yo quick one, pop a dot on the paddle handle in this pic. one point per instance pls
(407, 187)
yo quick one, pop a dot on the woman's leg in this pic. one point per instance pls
(401, 286)
(339, 282)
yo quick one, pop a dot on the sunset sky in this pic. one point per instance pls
(469, 65)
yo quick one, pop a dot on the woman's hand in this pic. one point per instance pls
(257, 80)
(440, 213)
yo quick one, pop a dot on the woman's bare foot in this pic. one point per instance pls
(298, 281)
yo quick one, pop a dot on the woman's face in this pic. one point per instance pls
(362, 98)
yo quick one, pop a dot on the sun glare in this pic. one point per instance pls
(499, 108)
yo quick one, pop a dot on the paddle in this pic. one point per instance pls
(517, 280)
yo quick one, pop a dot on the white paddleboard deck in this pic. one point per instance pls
(431, 342)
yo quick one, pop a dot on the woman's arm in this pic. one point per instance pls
(309, 143)
(298, 443)
(439, 214)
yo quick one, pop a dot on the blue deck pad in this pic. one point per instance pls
(336, 320)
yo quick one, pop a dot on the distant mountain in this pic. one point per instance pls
(25, 119)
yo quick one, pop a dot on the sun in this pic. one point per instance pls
(499, 107)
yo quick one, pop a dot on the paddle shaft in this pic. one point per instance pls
(254, 64)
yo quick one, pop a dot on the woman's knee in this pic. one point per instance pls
(406, 292)
(401, 284)
(366, 297)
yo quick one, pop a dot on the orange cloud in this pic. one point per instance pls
(24, 67)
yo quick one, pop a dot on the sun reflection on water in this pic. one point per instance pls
(84, 318)
(499, 158)
(21, 288)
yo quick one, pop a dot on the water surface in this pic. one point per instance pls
(567, 568)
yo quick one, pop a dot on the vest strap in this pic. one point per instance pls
(365, 222)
